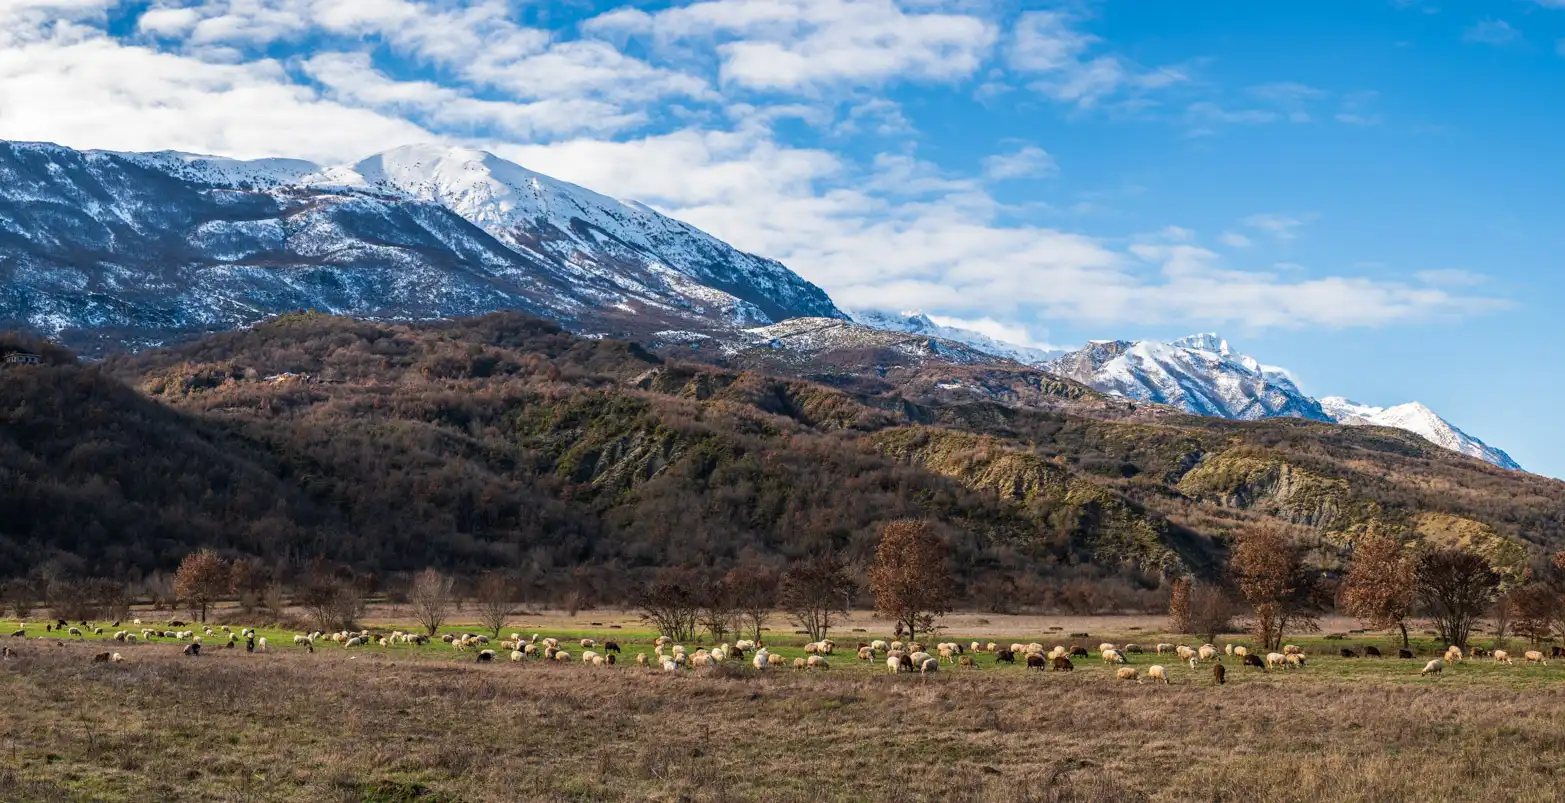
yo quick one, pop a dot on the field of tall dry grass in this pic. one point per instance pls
(368, 725)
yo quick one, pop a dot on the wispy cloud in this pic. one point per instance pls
(1452, 277)
(1492, 32)
(1234, 239)
(1028, 161)
(1283, 227)
(1050, 48)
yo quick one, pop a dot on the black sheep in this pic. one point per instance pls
(1404, 653)
(1062, 664)
(610, 646)
(1005, 656)
(1078, 652)
(1372, 652)
(1035, 661)
(1347, 653)
(1254, 660)
(1557, 652)
(193, 649)
(485, 657)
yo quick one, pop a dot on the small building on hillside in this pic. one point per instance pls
(23, 358)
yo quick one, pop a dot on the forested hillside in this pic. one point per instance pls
(584, 466)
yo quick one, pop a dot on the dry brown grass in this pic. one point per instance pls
(361, 727)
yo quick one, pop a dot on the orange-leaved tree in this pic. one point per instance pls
(202, 579)
(1379, 589)
(909, 578)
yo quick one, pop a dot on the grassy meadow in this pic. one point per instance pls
(409, 723)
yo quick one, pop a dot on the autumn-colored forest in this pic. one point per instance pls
(583, 467)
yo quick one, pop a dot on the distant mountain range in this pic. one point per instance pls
(108, 250)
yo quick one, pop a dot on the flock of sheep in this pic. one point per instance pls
(897, 656)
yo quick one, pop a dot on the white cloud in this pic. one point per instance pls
(1206, 113)
(1492, 32)
(1452, 277)
(1283, 227)
(1234, 239)
(1029, 161)
(1048, 46)
(1017, 334)
(801, 45)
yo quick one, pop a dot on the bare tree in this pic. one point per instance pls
(20, 597)
(1456, 587)
(670, 605)
(1212, 611)
(719, 609)
(755, 595)
(431, 599)
(1179, 620)
(815, 593)
(1378, 590)
(333, 603)
(202, 579)
(492, 602)
(909, 578)
(1268, 568)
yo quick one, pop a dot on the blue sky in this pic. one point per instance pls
(1364, 191)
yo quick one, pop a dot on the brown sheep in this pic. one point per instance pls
(966, 660)
(101, 658)
(1035, 661)
(1078, 652)
(1219, 674)
(1061, 664)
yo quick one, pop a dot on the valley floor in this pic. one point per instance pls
(428, 724)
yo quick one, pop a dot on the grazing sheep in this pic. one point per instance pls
(588, 643)
(966, 660)
(1163, 648)
(1432, 668)
(260, 644)
(1502, 657)
(1296, 660)
(1128, 673)
(1207, 652)
(1240, 652)
(919, 658)
(817, 662)
(193, 649)
(1185, 653)
(587, 656)
(1372, 651)
(1404, 653)
(798, 663)
(877, 646)
(1113, 657)
(1533, 657)
(116, 658)
(300, 640)
(761, 658)
(20, 633)
(1276, 659)
(517, 655)
(1347, 653)
(353, 642)
(130, 638)
(866, 653)
(562, 656)
(610, 646)
(894, 663)
(775, 660)
(1254, 660)
(1219, 674)
(929, 666)
(1005, 657)
(1105, 647)
(641, 658)
(1453, 654)
(1476, 652)
(1157, 674)
(1078, 651)
(897, 645)
(101, 658)
(947, 655)
(975, 647)
(75, 631)
(1290, 649)
(1035, 661)
(669, 665)
(1228, 648)
(1133, 649)
(1061, 664)
(597, 660)
(485, 656)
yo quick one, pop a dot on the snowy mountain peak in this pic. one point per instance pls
(1419, 419)
(916, 322)
(155, 245)
(1205, 341)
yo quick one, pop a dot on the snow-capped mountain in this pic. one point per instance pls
(1416, 418)
(1200, 373)
(142, 247)
(916, 322)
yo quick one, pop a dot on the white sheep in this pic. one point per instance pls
(1533, 657)
(353, 642)
(75, 631)
(1240, 652)
(562, 656)
(669, 665)
(1157, 674)
(930, 665)
(588, 643)
(1105, 647)
(919, 658)
(517, 655)
(1185, 654)
(759, 660)
(587, 656)
(1276, 660)
(1207, 652)
(1292, 649)
(597, 660)
(1432, 668)
(1453, 654)
(1127, 673)
(1162, 648)
(894, 663)
(300, 641)
(879, 646)
(1296, 660)
(1113, 656)
(817, 662)
(1503, 657)
(1228, 648)
(117, 658)
(775, 660)
(260, 644)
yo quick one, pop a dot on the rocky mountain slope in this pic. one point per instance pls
(586, 466)
(1417, 418)
(917, 323)
(141, 248)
